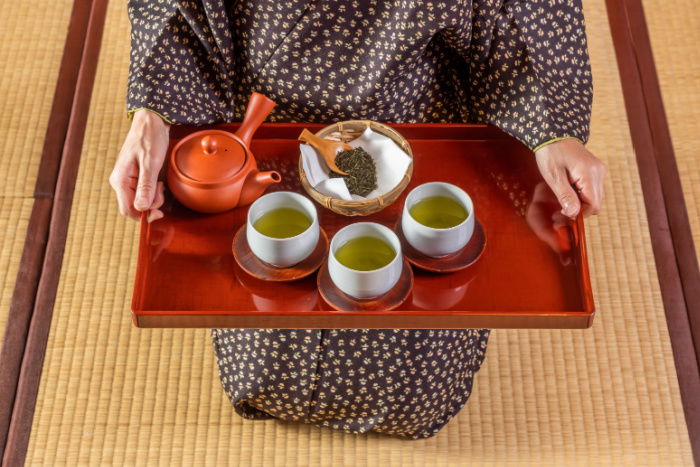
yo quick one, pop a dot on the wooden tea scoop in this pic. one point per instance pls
(327, 148)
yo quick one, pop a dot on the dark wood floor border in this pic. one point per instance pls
(65, 171)
(676, 211)
(671, 238)
(29, 272)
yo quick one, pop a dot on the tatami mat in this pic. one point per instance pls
(30, 62)
(111, 393)
(675, 34)
(33, 35)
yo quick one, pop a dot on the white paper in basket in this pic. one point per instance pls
(391, 162)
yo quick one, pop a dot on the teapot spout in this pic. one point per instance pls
(265, 179)
(256, 184)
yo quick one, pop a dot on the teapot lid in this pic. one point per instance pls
(209, 156)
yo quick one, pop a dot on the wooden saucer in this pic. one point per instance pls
(341, 301)
(450, 263)
(254, 266)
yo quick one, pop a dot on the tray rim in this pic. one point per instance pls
(584, 316)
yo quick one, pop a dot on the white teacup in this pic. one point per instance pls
(282, 252)
(365, 284)
(431, 241)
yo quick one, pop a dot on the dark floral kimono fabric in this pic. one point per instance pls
(520, 65)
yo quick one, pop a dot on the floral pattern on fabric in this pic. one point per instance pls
(520, 65)
(402, 382)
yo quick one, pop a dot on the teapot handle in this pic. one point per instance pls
(259, 107)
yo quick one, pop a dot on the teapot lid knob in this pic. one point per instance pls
(208, 145)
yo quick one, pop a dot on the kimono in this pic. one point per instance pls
(521, 65)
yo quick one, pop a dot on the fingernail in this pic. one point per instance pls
(568, 210)
(154, 216)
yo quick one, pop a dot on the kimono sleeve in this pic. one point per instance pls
(180, 61)
(530, 71)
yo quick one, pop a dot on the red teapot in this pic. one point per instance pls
(212, 171)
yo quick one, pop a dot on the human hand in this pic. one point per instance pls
(135, 175)
(574, 175)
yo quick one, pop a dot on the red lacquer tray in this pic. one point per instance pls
(532, 274)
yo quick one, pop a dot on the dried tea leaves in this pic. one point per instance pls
(361, 176)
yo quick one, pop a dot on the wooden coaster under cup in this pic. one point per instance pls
(341, 301)
(450, 263)
(254, 266)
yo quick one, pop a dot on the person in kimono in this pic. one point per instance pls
(521, 65)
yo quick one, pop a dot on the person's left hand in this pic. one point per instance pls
(574, 175)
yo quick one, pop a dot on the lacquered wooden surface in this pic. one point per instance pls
(532, 273)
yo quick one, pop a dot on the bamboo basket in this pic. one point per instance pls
(347, 131)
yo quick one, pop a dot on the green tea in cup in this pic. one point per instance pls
(365, 253)
(439, 212)
(282, 223)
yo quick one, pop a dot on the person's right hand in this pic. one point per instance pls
(135, 174)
